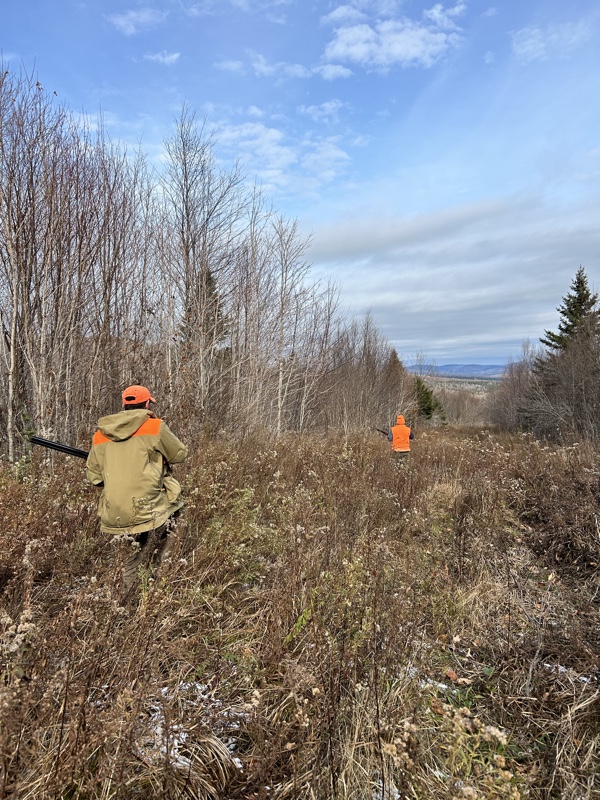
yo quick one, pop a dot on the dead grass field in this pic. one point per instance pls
(330, 626)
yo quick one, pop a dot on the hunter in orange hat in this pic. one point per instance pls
(131, 458)
(400, 436)
(133, 395)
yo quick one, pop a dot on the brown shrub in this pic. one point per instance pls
(331, 625)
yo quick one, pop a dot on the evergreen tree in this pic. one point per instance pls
(427, 402)
(578, 314)
(562, 399)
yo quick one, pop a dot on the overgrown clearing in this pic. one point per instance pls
(330, 626)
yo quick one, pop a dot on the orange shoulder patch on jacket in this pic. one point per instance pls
(100, 438)
(150, 427)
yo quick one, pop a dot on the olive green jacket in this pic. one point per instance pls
(130, 457)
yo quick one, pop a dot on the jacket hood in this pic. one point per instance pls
(121, 426)
(400, 420)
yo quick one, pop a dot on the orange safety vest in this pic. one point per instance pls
(401, 436)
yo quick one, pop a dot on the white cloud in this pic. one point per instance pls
(381, 237)
(444, 18)
(282, 69)
(389, 43)
(231, 65)
(262, 149)
(370, 33)
(489, 57)
(361, 140)
(325, 112)
(329, 72)
(277, 18)
(264, 68)
(168, 59)
(131, 22)
(271, 8)
(344, 15)
(537, 43)
(281, 163)
(325, 161)
(256, 6)
(294, 70)
(198, 9)
(479, 278)
(381, 8)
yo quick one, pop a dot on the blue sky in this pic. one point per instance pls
(443, 157)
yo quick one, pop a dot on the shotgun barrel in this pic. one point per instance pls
(62, 448)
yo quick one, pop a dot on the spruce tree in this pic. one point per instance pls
(427, 402)
(578, 313)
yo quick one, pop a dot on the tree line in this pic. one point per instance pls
(180, 276)
(553, 391)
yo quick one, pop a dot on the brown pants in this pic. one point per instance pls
(148, 549)
(400, 457)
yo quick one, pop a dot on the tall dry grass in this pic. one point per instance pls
(330, 625)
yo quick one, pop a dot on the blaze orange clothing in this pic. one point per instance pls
(130, 457)
(401, 435)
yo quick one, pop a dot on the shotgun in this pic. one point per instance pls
(385, 433)
(62, 448)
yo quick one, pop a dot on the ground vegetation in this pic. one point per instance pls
(331, 625)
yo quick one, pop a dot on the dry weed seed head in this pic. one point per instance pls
(30, 548)
(5, 620)
(8, 699)
(17, 635)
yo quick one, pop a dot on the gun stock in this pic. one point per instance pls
(62, 448)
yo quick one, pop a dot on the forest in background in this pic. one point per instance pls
(177, 276)
(182, 277)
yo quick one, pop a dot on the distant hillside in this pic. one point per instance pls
(487, 371)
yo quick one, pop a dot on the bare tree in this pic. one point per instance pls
(185, 279)
(70, 247)
(369, 385)
(204, 206)
(506, 402)
(34, 196)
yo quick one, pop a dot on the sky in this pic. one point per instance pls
(442, 159)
